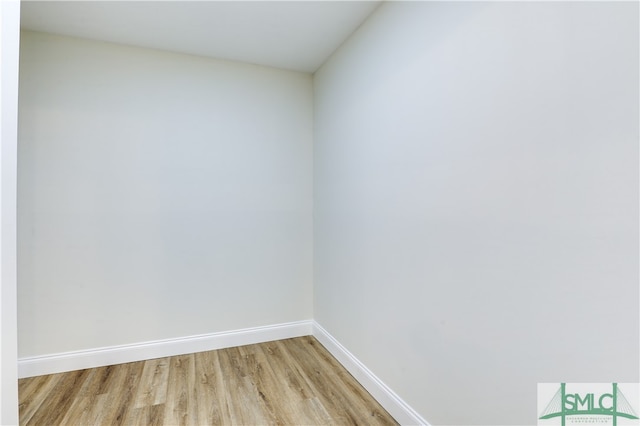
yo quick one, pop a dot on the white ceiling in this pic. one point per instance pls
(295, 35)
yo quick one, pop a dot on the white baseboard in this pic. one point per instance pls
(391, 402)
(78, 360)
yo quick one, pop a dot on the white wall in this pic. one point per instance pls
(476, 190)
(159, 195)
(9, 52)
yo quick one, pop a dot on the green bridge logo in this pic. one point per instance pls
(586, 403)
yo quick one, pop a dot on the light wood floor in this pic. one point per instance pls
(286, 382)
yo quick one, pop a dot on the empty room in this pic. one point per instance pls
(319, 212)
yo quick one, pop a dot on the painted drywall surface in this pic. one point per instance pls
(160, 195)
(476, 201)
(9, 53)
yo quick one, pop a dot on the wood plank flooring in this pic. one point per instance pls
(286, 382)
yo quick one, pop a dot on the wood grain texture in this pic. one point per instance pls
(285, 382)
